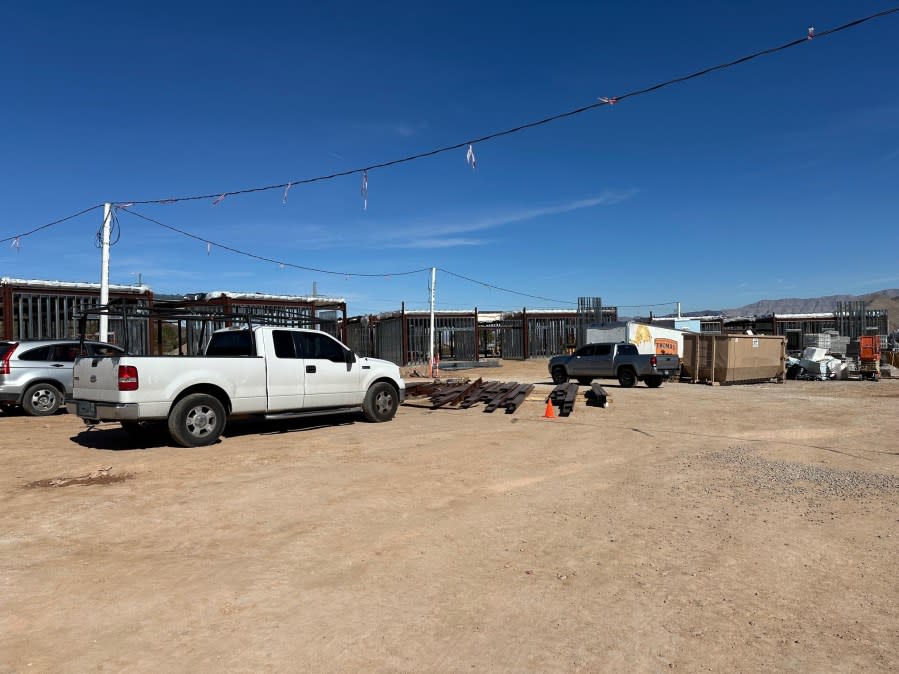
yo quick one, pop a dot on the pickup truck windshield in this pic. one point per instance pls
(236, 343)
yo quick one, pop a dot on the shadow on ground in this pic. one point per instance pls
(113, 437)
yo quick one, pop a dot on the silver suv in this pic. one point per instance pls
(37, 374)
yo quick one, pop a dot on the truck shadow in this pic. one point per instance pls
(239, 428)
(111, 437)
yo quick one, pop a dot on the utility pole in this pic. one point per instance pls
(431, 352)
(104, 271)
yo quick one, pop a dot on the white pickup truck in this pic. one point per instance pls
(264, 371)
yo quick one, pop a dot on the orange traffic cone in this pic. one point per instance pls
(550, 410)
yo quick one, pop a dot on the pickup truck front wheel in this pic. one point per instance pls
(560, 376)
(380, 403)
(627, 377)
(196, 420)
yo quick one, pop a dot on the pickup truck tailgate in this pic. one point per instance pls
(664, 362)
(96, 379)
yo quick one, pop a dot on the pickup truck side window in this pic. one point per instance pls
(316, 345)
(627, 349)
(603, 349)
(231, 343)
(585, 351)
(283, 344)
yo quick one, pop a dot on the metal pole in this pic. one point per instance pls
(431, 351)
(104, 271)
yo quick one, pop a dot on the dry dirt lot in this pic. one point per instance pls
(685, 528)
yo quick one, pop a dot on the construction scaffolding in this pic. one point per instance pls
(854, 320)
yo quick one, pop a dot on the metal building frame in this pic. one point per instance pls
(403, 336)
(35, 309)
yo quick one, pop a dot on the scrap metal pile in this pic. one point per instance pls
(462, 394)
(494, 394)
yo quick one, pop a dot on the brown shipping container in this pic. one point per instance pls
(733, 359)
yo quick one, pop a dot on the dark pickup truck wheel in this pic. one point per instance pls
(560, 376)
(627, 378)
(197, 420)
(381, 403)
(653, 381)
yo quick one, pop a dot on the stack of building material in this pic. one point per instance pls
(838, 342)
(495, 394)
(820, 340)
(563, 397)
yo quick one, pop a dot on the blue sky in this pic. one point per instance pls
(773, 179)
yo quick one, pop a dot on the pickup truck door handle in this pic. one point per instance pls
(57, 365)
(310, 369)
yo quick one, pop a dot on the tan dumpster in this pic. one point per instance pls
(733, 359)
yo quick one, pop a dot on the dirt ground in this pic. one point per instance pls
(691, 528)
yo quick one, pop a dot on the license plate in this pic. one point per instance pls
(86, 409)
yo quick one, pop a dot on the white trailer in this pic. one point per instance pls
(647, 338)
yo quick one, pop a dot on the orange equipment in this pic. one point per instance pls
(869, 357)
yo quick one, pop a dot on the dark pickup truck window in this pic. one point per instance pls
(237, 343)
(627, 349)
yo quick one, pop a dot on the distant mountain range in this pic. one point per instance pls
(882, 299)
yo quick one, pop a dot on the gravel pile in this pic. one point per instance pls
(787, 476)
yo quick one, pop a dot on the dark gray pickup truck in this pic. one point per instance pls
(613, 361)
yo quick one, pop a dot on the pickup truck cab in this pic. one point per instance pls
(261, 371)
(619, 361)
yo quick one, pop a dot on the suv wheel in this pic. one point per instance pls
(41, 400)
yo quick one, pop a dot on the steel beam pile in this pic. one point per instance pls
(563, 397)
(494, 394)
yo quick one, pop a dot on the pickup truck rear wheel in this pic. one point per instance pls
(560, 376)
(380, 403)
(627, 377)
(41, 400)
(653, 381)
(196, 420)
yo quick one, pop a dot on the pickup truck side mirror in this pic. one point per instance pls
(350, 357)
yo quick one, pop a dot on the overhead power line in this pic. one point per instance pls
(644, 306)
(811, 36)
(262, 258)
(611, 100)
(282, 263)
(505, 290)
(50, 224)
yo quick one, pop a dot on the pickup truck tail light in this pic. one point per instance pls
(127, 378)
(653, 361)
(4, 362)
